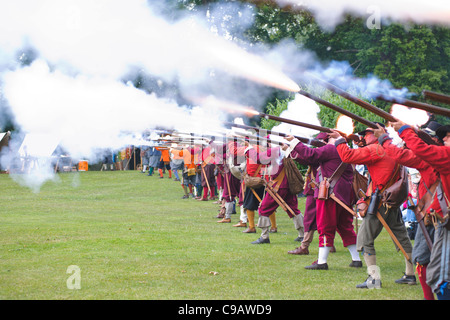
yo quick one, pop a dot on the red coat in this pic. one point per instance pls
(380, 166)
(437, 156)
(255, 157)
(407, 158)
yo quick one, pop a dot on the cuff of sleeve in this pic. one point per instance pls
(340, 141)
(384, 137)
(403, 128)
(292, 144)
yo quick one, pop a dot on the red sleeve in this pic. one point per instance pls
(437, 156)
(355, 156)
(404, 156)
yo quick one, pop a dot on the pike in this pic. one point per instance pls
(379, 112)
(312, 142)
(439, 97)
(415, 104)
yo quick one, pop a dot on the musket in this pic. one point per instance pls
(312, 142)
(415, 104)
(295, 123)
(254, 139)
(379, 112)
(306, 125)
(339, 109)
(439, 97)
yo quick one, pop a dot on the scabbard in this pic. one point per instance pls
(426, 234)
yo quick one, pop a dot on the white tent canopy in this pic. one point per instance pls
(38, 145)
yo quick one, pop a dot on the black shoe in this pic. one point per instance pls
(370, 283)
(299, 239)
(317, 266)
(355, 264)
(407, 280)
(185, 197)
(261, 240)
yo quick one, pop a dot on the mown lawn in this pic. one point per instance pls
(133, 237)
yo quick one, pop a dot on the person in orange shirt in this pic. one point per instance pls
(189, 172)
(164, 162)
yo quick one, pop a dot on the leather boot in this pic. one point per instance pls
(240, 224)
(249, 230)
(300, 251)
(221, 213)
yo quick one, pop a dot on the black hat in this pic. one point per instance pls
(432, 127)
(363, 133)
(441, 132)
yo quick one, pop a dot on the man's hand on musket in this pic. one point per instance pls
(289, 138)
(334, 134)
(397, 125)
(379, 131)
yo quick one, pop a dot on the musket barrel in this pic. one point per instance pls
(339, 109)
(439, 97)
(415, 104)
(296, 123)
(379, 112)
(312, 142)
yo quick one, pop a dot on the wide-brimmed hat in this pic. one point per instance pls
(363, 133)
(441, 132)
(432, 127)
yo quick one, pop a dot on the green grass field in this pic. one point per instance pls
(133, 237)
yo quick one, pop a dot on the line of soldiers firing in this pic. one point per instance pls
(260, 175)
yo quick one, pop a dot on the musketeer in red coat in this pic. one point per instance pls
(428, 177)
(438, 270)
(383, 172)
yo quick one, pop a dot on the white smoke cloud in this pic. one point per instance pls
(329, 13)
(301, 109)
(74, 91)
(87, 113)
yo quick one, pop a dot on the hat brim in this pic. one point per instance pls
(441, 132)
(363, 133)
